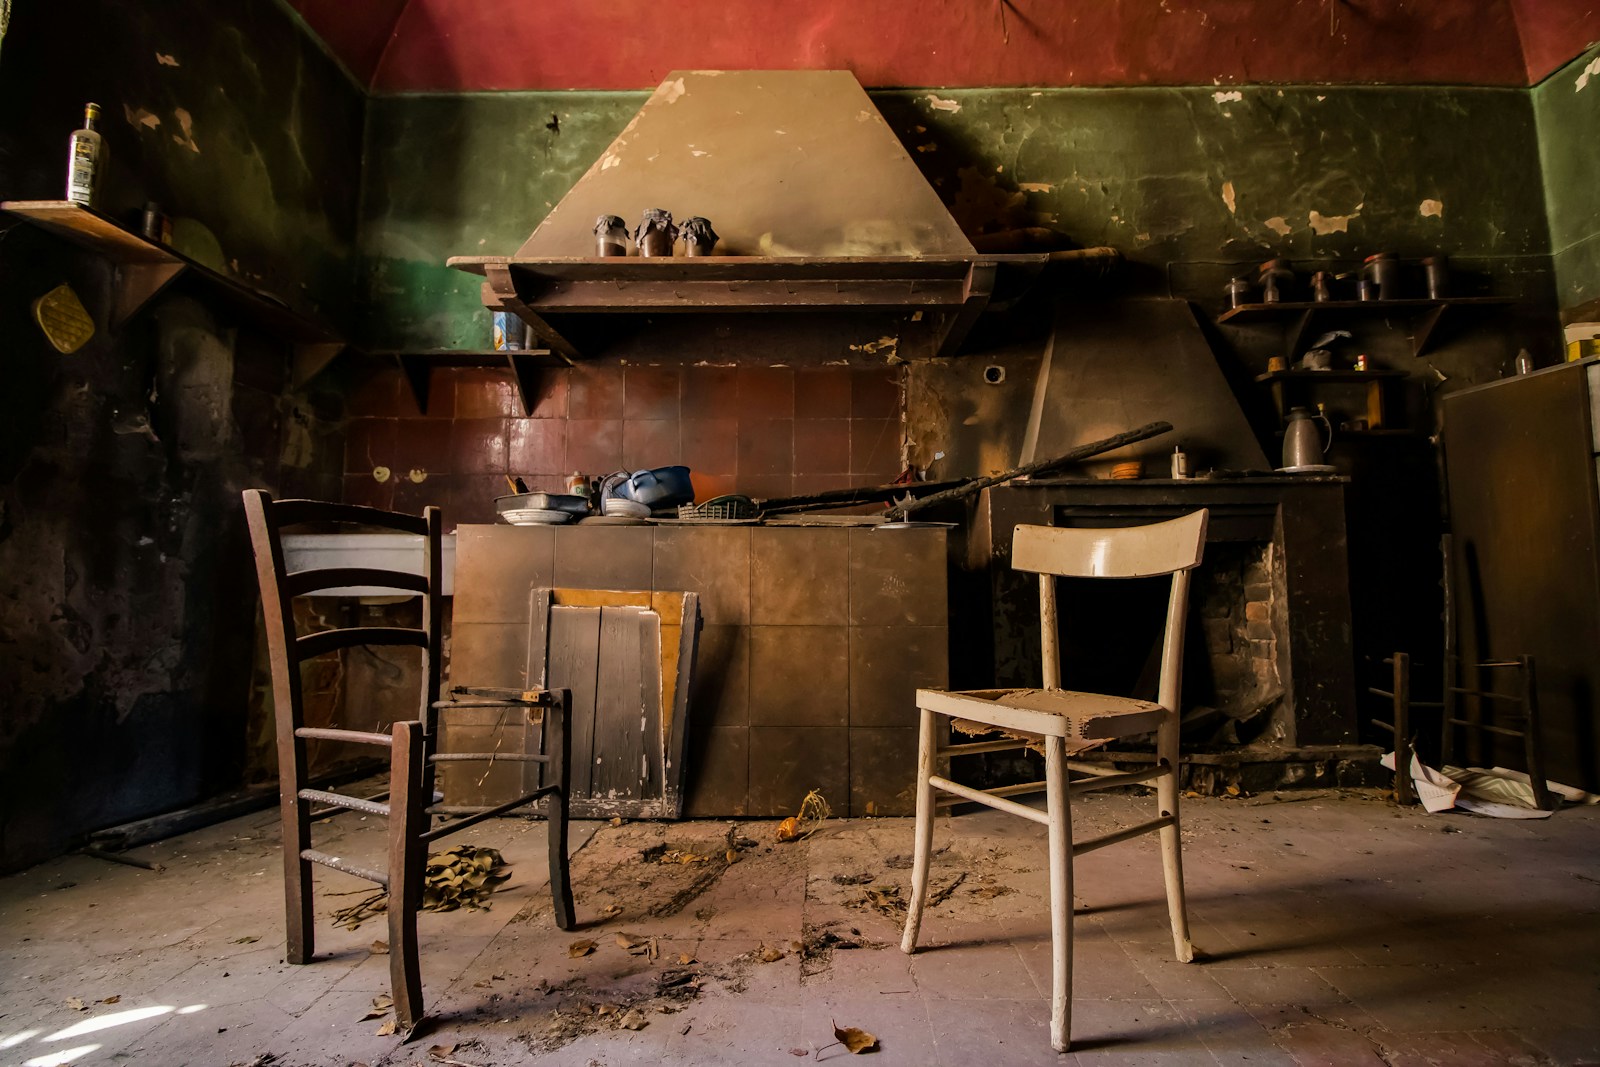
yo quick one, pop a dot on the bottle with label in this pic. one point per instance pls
(84, 162)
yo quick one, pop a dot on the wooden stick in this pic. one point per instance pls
(1093, 448)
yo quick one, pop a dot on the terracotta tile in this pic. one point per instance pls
(412, 494)
(799, 576)
(787, 762)
(594, 446)
(367, 491)
(711, 486)
(897, 577)
(710, 446)
(713, 561)
(368, 443)
(472, 498)
(883, 771)
(422, 444)
(480, 393)
(710, 392)
(875, 450)
(536, 446)
(766, 446)
(595, 392)
(383, 394)
(719, 771)
(650, 443)
(651, 393)
(765, 486)
(822, 483)
(495, 568)
(549, 393)
(799, 675)
(888, 664)
(489, 653)
(822, 446)
(822, 393)
(478, 446)
(722, 678)
(604, 557)
(875, 393)
(766, 393)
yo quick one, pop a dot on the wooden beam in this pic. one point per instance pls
(503, 289)
(979, 287)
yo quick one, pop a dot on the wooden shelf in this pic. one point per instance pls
(1296, 317)
(957, 288)
(1291, 387)
(525, 366)
(1344, 376)
(144, 269)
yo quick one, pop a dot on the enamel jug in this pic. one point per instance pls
(1302, 440)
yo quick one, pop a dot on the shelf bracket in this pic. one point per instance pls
(979, 287)
(1425, 328)
(419, 376)
(1297, 334)
(311, 358)
(137, 285)
(503, 290)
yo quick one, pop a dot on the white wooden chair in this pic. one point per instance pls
(1063, 722)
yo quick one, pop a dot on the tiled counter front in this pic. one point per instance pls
(814, 640)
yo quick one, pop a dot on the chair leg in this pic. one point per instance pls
(408, 820)
(1172, 841)
(1531, 739)
(1059, 803)
(927, 745)
(557, 745)
(298, 923)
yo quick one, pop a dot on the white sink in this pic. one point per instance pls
(394, 552)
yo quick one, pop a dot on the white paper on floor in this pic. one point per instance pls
(1497, 792)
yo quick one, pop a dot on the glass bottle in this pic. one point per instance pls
(85, 156)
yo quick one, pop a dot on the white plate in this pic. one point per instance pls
(535, 517)
(1309, 468)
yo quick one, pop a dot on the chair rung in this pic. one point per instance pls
(1487, 694)
(1119, 836)
(1386, 725)
(978, 796)
(1115, 781)
(344, 866)
(339, 800)
(488, 757)
(360, 737)
(979, 746)
(998, 791)
(1505, 731)
(1381, 693)
(482, 813)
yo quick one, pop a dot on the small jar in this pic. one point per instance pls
(656, 234)
(610, 236)
(1436, 270)
(1383, 270)
(698, 236)
(1322, 287)
(1238, 292)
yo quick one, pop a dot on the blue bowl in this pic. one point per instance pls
(662, 487)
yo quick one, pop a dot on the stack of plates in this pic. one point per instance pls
(616, 505)
(535, 516)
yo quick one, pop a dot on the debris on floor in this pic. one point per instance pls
(460, 877)
(814, 811)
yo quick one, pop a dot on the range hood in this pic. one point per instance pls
(817, 204)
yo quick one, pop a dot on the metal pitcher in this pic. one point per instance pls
(1302, 441)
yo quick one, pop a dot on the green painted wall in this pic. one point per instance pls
(1567, 105)
(1192, 184)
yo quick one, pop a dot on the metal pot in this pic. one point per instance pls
(1302, 441)
(661, 487)
(573, 505)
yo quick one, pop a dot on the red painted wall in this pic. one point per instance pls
(1555, 32)
(356, 32)
(450, 45)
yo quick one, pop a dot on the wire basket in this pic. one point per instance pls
(732, 506)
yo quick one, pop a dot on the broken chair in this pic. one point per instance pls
(1063, 722)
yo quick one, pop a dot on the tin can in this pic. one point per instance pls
(1361, 362)
(1180, 463)
(508, 332)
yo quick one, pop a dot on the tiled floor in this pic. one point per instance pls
(1338, 930)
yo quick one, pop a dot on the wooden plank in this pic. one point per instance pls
(575, 665)
(619, 707)
(677, 684)
(87, 228)
(138, 283)
(652, 749)
(738, 268)
(754, 295)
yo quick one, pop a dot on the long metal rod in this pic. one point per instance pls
(339, 800)
(1122, 835)
(1502, 730)
(359, 737)
(978, 796)
(489, 813)
(1115, 781)
(344, 866)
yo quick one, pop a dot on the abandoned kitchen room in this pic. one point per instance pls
(716, 532)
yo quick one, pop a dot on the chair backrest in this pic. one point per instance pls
(1173, 547)
(287, 648)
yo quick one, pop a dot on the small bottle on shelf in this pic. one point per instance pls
(84, 159)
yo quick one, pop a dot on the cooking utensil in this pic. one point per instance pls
(536, 517)
(660, 487)
(571, 505)
(1302, 441)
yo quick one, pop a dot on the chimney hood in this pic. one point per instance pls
(818, 206)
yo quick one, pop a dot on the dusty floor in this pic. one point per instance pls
(1339, 930)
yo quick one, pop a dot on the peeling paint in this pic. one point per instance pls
(166, 60)
(1228, 197)
(940, 104)
(1431, 209)
(1035, 187)
(141, 117)
(1228, 98)
(1279, 225)
(1321, 224)
(671, 91)
(885, 344)
(1590, 71)
(929, 147)
(186, 123)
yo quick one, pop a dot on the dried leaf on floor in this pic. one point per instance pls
(113, 999)
(442, 1052)
(633, 1020)
(379, 948)
(386, 1030)
(579, 949)
(77, 1004)
(852, 879)
(611, 911)
(855, 1039)
(380, 1007)
(616, 820)
(635, 946)
(248, 939)
(769, 954)
(684, 959)
(813, 812)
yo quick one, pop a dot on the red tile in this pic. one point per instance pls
(822, 393)
(594, 392)
(423, 444)
(367, 491)
(472, 498)
(650, 393)
(710, 446)
(368, 443)
(537, 446)
(709, 486)
(806, 484)
(822, 446)
(478, 446)
(766, 393)
(710, 392)
(384, 393)
(481, 393)
(594, 446)
(875, 449)
(650, 443)
(766, 446)
(875, 393)
(549, 394)
(765, 486)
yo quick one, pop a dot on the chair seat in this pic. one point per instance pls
(1078, 717)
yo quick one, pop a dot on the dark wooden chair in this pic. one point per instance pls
(412, 744)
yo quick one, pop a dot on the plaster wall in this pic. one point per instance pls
(1567, 106)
